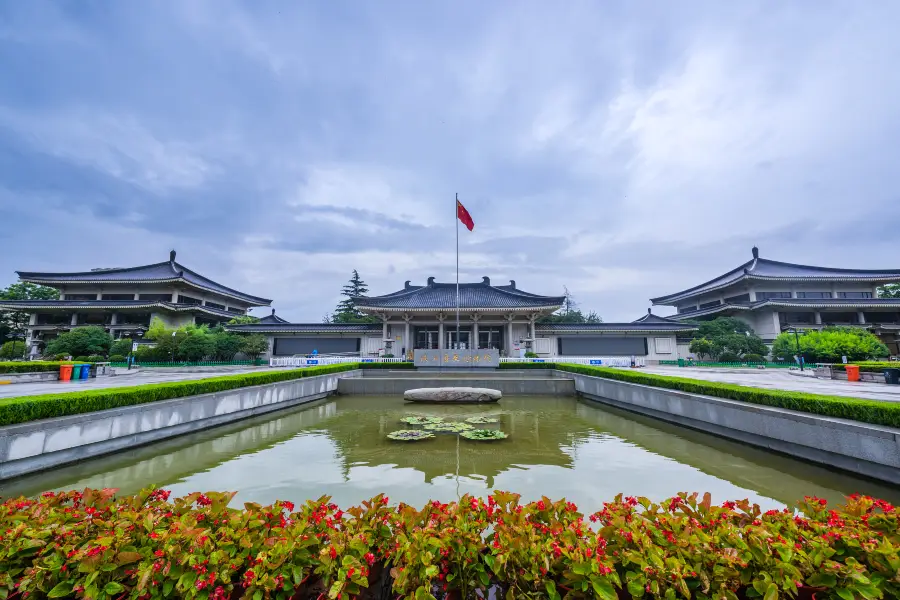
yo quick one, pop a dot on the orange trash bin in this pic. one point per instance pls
(65, 372)
(852, 372)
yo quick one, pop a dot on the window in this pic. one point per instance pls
(214, 305)
(737, 299)
(663, 345)
(814, 295)
(156, 297)
(709, 304)
(238, 311)
(81, 297)
(770, 295)
(182, 299)
(854, 295)
(118, 296)
(686, 309)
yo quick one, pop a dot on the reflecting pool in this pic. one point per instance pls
(558, 447)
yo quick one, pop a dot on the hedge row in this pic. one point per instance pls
(869, 366)
(92, 545)
(30, 408)
(857, 409)
(34, 366)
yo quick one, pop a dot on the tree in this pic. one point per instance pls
(346, 311)
(226, 345)
(12, 323)
(81, 341)
(12, 349)
(702, 347)
(194, 346)
(891, 290)
(730, 336)
(244, 320)
(157, 330)
(254, 345)
(121, 347)
(830, 345)
(570, 313)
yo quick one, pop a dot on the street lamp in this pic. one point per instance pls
(173, 345)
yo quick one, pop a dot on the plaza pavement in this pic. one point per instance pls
(781, 379)
(140, 377)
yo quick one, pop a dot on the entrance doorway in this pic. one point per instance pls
(426, 338)
(465, 336)
(490, 337)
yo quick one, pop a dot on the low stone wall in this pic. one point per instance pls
(29, 377)
(396, 386)
(863, 376)
(39, 445)
(870, 450)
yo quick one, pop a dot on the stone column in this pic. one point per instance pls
(99, 295)
(137, 296)
(406, 341)
(861, 316)
(384, 329)
(473, 342)
(818, 318)
(74, 320)
(509, 335)
(533, 335)
(441, 334)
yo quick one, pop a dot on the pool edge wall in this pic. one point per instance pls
(869, 450)
(49, 443)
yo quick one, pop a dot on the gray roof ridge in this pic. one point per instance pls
(184, 269)
(740, 268)
(834, 269)
(95, 272)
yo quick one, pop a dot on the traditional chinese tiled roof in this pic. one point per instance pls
(271, 319)
(472, 296)
(615, 328)
(810, 303)
(164, 272)
(769, 270)
(651, 318)
(112, 305)
(310, 328)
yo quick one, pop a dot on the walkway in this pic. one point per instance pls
(782, 380)
(141, 377)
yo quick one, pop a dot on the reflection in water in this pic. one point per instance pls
(558, 447)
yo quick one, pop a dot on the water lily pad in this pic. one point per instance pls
(409, 435)
(448, 427)
(421, 420)
(484, 435)
(479, 420)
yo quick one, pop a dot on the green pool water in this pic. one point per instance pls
(558, 447)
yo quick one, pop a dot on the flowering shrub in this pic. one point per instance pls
(92, 544)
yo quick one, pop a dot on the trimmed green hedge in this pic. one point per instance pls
(396, 365)
(856, 409)
(869, 366)
(34, 366)
(31, 408)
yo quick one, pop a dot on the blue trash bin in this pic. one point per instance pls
(85, 371)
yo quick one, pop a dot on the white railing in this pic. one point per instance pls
(607, 361)
(309, 361)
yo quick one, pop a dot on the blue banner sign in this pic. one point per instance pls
(312, 362)
(596, 362)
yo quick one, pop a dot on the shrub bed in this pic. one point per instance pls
(33, 366)
(857, 409)
(869, 366)
(94, 545)
(30, 408)
(528, 365)
(396, 365)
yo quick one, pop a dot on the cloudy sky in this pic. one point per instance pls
(623, 149)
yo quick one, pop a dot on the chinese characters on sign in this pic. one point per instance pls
(457, 358)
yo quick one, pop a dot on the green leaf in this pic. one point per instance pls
(844, 593)
(61, 590)
(771, 592)
(431, 571)
(257, 595)
(167, 587)
(551, 590)
(485, 578)
(827, 580)
(113, 588)
(603, 588)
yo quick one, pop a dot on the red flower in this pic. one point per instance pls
(370, 558)
(332, 552)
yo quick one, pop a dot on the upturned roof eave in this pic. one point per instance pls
(79, 305)
(393, 309)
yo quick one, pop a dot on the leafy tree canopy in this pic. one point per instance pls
(12, 323)
(12, 350)
(244, 320)
(729, 336)
(892, 290)
(830, 345)
(346, 311)
(81, 341)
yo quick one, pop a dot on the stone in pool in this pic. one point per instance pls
(453, 395)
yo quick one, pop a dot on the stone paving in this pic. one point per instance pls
(783, 380)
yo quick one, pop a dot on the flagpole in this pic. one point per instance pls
(456, 219)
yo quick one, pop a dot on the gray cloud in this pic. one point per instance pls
(624, 150)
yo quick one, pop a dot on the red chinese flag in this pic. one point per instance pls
(464, 216)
